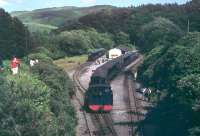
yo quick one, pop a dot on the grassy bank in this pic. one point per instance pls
(68, 63)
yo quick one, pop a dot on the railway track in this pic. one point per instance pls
(103, 122)
(133, 102)
(79, 100)
(133, 105)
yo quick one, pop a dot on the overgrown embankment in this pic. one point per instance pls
(36, 101)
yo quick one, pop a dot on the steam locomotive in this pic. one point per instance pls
(99, 96)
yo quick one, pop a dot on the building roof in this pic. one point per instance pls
(115, 49)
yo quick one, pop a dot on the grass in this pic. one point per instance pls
(34, 27)
(69, 63)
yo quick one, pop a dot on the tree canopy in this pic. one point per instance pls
(14, 36)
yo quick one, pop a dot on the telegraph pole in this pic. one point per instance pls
(188, 26)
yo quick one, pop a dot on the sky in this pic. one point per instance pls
(21, 5)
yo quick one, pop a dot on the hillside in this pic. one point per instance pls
(56, 16)
(130, 20)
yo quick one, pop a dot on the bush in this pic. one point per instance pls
(37, 102)
(40, 57)
(61, 87)
(25, 107)
(43, 50)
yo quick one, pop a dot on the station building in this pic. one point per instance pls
(114, 53)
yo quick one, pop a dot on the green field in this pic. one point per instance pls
(69, 63)
(35, 27)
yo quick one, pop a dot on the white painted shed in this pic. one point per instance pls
(114, 53)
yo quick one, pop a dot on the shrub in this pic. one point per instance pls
(40, 57)
(61, 87)
(25, 106)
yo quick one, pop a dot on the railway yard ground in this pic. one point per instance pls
(128, 108)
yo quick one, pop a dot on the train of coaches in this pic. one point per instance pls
(99, 95)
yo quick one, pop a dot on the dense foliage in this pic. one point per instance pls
(36, 101)
(82, 41)
(47, 44)
(75, 42)
(24, 106)
(133, 20)
(171, 65)
(175, 74)
(160, 31)
(59, 101)
(13, 36)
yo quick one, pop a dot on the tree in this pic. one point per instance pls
(160, 31)
(74, 43)
(14, 36)
(188, 89)
(123, 39)
(78, 42)
(176, 74)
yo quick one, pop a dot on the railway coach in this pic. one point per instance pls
(99, 96)
(96, 54)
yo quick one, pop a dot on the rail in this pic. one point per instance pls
(80, 101)
(133, 103)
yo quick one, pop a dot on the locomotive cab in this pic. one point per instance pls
(96, 80)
